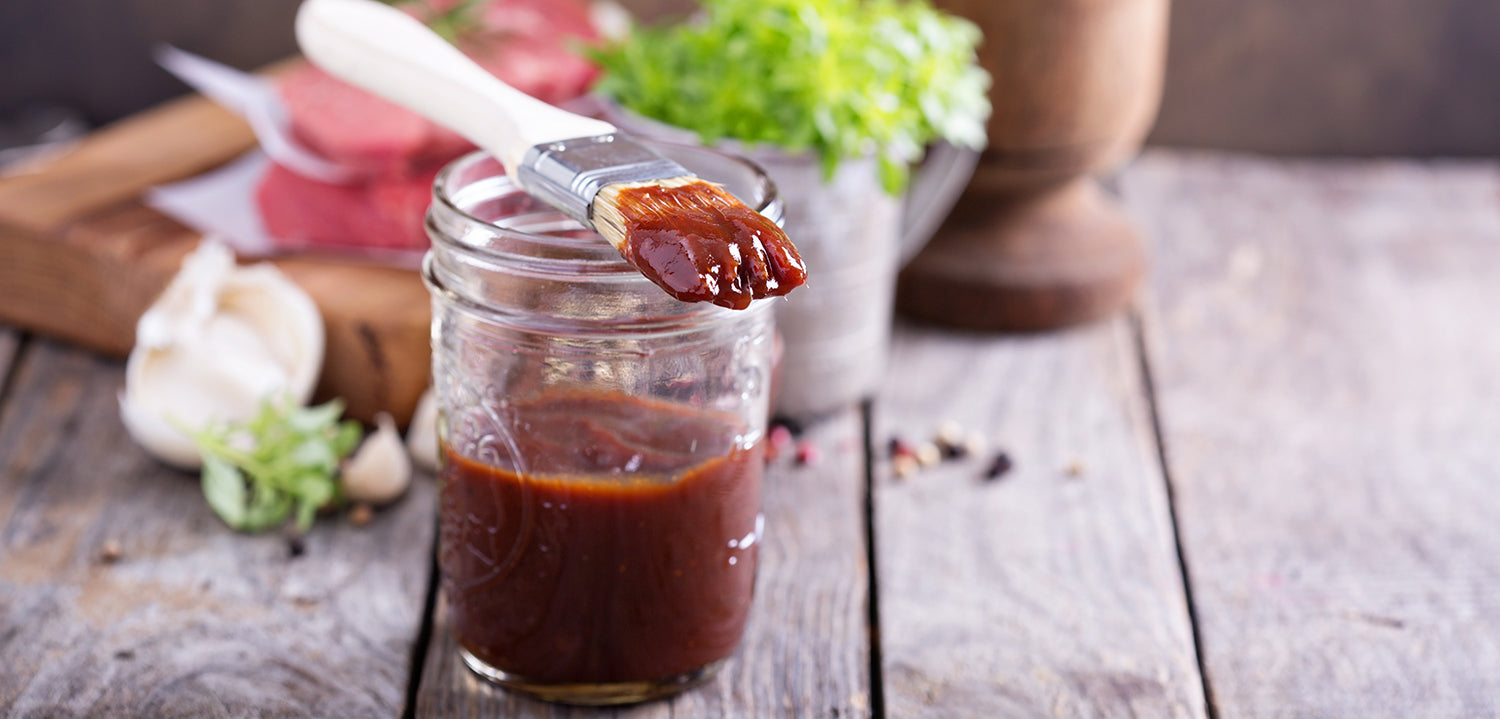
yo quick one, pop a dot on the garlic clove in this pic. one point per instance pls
(421, 434)
(292, 326)
(219, 341)
(380, 470)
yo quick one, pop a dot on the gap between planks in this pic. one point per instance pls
(872, 453)
(1148, 382)
(1321, 340)
(1051, 591)
(12, 344)
(424, 633)
(184, 616)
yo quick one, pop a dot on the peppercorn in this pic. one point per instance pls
(779, 441)
(111, 551)
(928, 454)
(901, 448)
(361, 514)
(998, 467)
(808, 453)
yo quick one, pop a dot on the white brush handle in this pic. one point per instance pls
(393, 55)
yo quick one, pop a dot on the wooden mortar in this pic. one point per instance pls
(1034, 243)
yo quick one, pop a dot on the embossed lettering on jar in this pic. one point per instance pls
(601, 445)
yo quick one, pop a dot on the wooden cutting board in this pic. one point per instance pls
(81, 257)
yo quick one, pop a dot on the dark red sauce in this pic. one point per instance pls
(619, 555)
(701, 244)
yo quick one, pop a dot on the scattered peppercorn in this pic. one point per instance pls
(928, 454)
(901, 448)
(111, 551)
(950, 440)
(998, 467)
(779, 441)
(295, 546)
(361, 514)
(808, 454)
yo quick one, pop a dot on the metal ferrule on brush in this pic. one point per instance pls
(567, 174)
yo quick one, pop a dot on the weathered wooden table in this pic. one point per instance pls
(1271, 490)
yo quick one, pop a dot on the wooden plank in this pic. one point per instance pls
(175, 140)
(90, 283)
(191, 619)
(81, 258)
(806, 649)
(1322, 338)
(378, 326)
(1053, 590)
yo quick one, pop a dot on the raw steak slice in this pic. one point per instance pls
(384, 212)
(528, 43)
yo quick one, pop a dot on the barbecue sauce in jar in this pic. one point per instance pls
(601, 446)
(625, 551)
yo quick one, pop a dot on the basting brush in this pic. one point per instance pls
(689, 236)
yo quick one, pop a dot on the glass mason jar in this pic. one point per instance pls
(601, 446)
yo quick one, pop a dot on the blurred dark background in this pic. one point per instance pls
(1344, 77)
(1411, 77)
(94, 55)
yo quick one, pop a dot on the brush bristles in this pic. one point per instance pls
(610, 218)
(697, 241)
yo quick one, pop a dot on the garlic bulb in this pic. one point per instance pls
(421, 434)
(380, 470)
(219, 340)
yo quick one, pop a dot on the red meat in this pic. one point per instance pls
(527, 43)
(351, 126)
(541, 68)
(543, 19)
(384, 212)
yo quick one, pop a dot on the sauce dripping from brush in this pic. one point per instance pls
(701, 244)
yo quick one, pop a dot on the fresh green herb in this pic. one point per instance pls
(842, 78)
(282, 461)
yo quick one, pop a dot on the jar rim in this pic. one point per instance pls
(585, 255)
(484, 226)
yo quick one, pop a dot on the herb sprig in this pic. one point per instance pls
(842, 78)
(283, 461)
